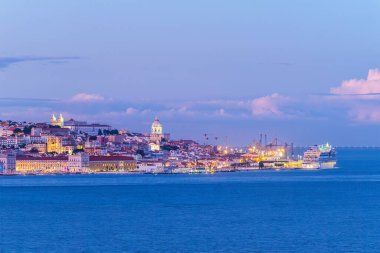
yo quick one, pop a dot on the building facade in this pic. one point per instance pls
(8, 163)
(79, 162)
(157, 135)
(157, 131)
(43, 165)
(54, 144)
(112, 164)
(84, 127)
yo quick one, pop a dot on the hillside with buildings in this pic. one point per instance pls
(73, 146)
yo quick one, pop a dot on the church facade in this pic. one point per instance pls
(157, 135)
(57, 122)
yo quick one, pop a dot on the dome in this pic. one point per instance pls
(157, 127)
(156, 123)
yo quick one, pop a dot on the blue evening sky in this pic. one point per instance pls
(232, 69)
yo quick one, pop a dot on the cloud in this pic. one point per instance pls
(131, 111)
(221, 112)
(95, 107)
(365, 114)
(269, 106)
(360, 88)
(358, 99)
(86, 97)
(5, 62)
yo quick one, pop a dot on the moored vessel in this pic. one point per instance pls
(319, 157)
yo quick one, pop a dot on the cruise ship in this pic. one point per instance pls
(319, 157)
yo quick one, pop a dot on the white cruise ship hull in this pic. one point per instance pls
(327, 165)
(311, 166)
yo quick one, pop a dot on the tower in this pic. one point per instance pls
(53, 120)
(61, 120)
(57, 122)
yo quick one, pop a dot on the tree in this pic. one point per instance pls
(78, 150)
(34, 150)
(140, 152)
(169, 147)
(111, 132)
(17, 131)
(114, 132)
(100, 132)
(28, 129)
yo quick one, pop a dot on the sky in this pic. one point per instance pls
(303, 71)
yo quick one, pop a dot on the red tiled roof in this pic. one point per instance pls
(31, 158)
(111, 158)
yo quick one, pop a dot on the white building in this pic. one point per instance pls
(7, 163)
(150, 166)
(84, 127)
(79, 162)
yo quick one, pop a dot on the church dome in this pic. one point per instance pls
(156, 123)
(157, 127)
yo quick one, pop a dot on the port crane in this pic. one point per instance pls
(262, 144)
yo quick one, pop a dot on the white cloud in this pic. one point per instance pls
(86, 97)
(360, 88)
(269, 106)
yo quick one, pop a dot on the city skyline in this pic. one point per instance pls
(262, 73)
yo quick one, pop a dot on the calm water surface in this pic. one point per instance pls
(268, 211)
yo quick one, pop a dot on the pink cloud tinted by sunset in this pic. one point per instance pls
(269, 106)
(368, 86)
(368, 114)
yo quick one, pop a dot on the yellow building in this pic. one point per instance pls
(153, 146)
(112, 164)
(67, 149)
(81, 162)
(54, 144)
(46, 165)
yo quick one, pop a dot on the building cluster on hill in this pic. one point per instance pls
(79, 147)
